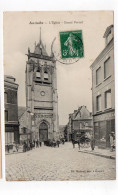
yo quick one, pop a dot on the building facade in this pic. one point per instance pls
(11, 111)
(24, 128)
(41, 94)
(80, 122)
(103, 91)
(62, 131)
(69, 125)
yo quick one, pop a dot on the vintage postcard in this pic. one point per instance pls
(59, 96)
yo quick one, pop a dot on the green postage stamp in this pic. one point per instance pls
(71, 44)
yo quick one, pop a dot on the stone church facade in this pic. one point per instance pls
(41, 94)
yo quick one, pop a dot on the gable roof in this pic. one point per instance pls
(79, 113)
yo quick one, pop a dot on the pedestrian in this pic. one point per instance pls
(8, 148)
(30, 143)
(17, 147)
(92, 143)
(114, 142)
(58, 142)
(34, 143)
(37, 143)
(73, 142)
(24, 147)
(40, 143)
(53, 142)
(63, 141)
(111, 141)
(79, 143)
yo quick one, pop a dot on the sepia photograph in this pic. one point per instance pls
(59, 95)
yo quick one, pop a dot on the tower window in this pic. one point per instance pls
(38, 74)
(45, 75)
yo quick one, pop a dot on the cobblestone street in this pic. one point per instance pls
(63, 163)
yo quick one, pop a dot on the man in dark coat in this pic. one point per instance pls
(92, 143)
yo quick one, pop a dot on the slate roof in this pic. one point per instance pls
(78, 114)
(8, 76)
(107, 30)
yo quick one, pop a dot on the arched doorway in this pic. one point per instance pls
(43, 131)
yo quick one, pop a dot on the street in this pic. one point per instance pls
(58, 164)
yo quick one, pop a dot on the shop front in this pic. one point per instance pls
(11, 136)
(103, 126)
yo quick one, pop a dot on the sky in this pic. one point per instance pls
(74, 83)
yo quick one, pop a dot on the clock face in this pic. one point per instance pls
(42, 93)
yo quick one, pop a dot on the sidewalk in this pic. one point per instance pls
(14, 151)
(106, 153)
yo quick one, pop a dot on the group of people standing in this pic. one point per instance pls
(29, 145)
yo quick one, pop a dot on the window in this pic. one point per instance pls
(80, 125)
(45, 75)
(108, 99)
(96, 124)
(102, 131)
(9, 137)
(6, 115)
(5, 97)
(98, 103)
(107, 68)
(98, 76)
(76, 125)
(24, 130)
(38, 74)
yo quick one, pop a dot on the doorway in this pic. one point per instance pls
(43, 131)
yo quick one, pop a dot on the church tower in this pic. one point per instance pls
(41, 93)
